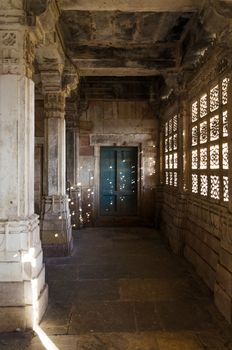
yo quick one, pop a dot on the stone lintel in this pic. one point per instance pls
(132, 6)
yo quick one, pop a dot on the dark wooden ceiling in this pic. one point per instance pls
(132, 38)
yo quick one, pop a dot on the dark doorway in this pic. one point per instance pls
(118, 181)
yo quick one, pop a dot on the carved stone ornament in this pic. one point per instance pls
(70, 78)
(223, 8)
(218, 62)
(16, 52)
(9, 53)
(222, 65)
(11, 4)
(54, 105)
(9, 39)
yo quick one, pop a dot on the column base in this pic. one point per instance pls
(56, 229)
(20, 317)
(24, 293)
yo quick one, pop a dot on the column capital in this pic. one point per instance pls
(57, 84)
(58, 75)
(54, 104)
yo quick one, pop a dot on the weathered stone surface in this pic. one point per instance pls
(226, 259)
(23, 288)
(223, 302)
(56, 229)
(202, 268)
(224, 278)
(172, 312)
(118, 123)
(159, 6)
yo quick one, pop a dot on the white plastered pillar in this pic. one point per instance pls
(22, 275)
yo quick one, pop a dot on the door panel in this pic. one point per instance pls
(118, 181)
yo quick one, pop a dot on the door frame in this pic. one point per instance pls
(117, 149)
(97, 148)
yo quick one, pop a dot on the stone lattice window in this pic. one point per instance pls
(209, 143)
(171, 149)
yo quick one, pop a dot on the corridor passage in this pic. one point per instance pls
(124, 290)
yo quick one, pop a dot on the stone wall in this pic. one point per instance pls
(116, 123)
(196, 227)
(202, 233)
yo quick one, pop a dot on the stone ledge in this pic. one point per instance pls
(223, 302)
(204, 251)
(226, 259)
(202, 268)
(224, 279)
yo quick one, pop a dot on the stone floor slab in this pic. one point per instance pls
(102, 317)
(147, 318)
(178, 341)
(183, 315)
(90, 290)
(154, 289)
(123, 289)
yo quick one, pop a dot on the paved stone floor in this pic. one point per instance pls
(124, 290)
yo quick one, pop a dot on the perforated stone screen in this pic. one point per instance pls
(209, 143)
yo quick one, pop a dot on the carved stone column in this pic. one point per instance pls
(22, 276)
(56, 230)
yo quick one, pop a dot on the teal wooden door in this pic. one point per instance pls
(118, 181)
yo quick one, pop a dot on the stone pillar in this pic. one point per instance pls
(22, 276)
(56, 230)
(72, 141)
(177, 238)
(73, 187)
(223, 284)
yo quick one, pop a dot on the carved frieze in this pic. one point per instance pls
(218, 62)
(16, 52)
(10, 52)
(11, 5)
